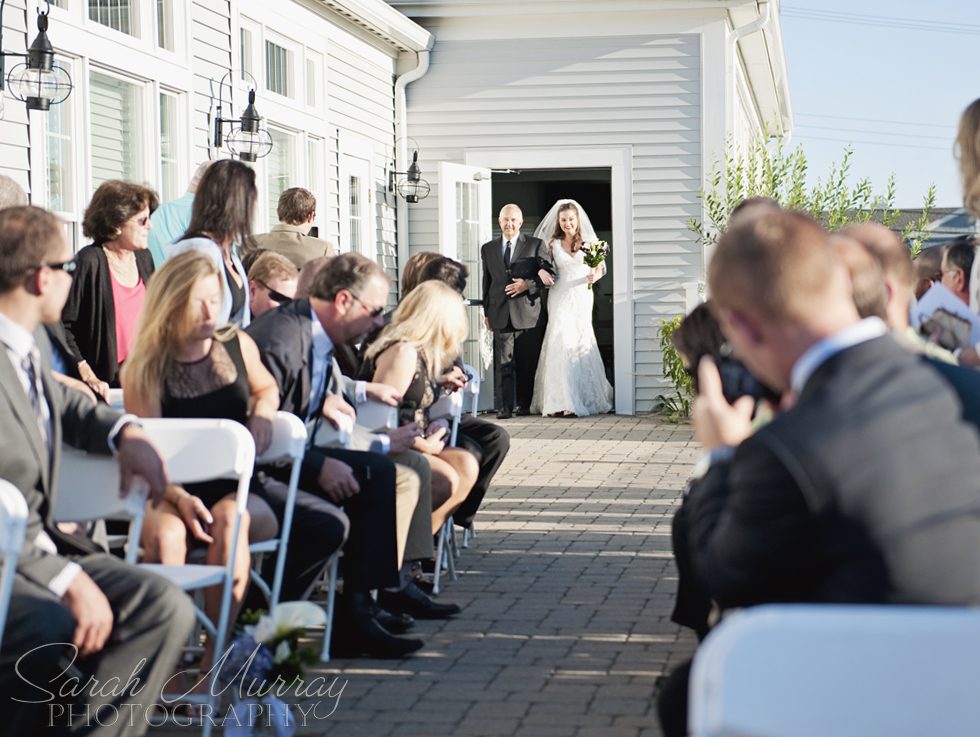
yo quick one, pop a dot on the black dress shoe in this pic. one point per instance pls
(504, 414)
(412, 600)
(523, 412)
(425, 585)
(357, 636)
(396, 624)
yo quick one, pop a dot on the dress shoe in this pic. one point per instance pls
(355, 636)
(425, 585)
(504, 414)
(396, 624)
(523, 412)
(412, 600)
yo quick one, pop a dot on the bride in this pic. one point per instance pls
(571, 379)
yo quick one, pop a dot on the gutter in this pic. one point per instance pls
(401, 144)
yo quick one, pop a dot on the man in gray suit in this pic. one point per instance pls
(864, 489)
(513, 310)
(114, 623)
(291, 237)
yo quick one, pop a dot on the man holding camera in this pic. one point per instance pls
(863, 489)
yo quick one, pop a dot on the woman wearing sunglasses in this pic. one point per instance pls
(110, 277)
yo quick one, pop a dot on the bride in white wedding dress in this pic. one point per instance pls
(571, 379)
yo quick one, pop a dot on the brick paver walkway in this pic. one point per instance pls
(567, 593)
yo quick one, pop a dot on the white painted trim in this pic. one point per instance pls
(356, 156)
(716, 87)
(449, 175)
(620, 160)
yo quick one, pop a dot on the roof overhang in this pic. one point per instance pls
(765, 64)
(379, 19)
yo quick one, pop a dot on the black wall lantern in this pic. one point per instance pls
(413, 187)
(248, 140)
(38, 82)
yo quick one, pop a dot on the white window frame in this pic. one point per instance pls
(296, 71)
(294, 166)
(356, 157)
(182, 143)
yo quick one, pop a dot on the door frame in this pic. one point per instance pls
(619, 159)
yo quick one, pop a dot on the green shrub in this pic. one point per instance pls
(676, 406)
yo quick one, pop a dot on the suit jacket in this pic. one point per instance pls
(965, 382)
(28, 464)
(89, 316)
(868, 490)
(285, 340)
(292, 242)
(523, 311)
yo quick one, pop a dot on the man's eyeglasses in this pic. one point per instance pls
(277, 297)
(376, 312)
(68, 267)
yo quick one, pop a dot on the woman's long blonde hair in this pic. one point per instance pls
(167, 319)
(968, 143)
(432, 319)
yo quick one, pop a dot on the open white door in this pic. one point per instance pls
(466, 223)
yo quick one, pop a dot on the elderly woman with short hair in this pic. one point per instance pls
(109, 285)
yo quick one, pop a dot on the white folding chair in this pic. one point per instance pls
(472, 388)
(193, 450)
(116, 399)
(447, 407)
(13, 527)
(846, 671)
(288, 444)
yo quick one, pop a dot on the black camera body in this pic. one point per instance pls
(737, 381)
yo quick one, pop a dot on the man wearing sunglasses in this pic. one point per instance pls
(271, 282)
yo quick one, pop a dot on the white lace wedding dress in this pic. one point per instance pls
(570, 376)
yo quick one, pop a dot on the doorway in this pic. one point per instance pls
(535, 191)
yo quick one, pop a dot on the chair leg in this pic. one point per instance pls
(450, 548)
(331, 599)
(437, 574)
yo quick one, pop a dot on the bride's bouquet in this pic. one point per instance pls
(593, 254)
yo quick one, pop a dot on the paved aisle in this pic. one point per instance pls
(566, 594)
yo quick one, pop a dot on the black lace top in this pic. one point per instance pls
(419, 391)
(213, 387)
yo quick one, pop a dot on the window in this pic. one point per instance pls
(278, 64)
(314, 167)
(119, 15)
(60, 157)
(117, 129)
(281, 168)
(311, 82)
(245, 53)
(60, 3)
(169, 135)
(355, 213)
(165, 25)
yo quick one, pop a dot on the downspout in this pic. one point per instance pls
(401, 144)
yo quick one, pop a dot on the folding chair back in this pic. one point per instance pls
(289, 445)
(472, 387)
(846, 671)
(13, 527)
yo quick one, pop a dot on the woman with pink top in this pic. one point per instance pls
(109, 283)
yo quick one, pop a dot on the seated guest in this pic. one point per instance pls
(221, 221)
(867, 282)
(426, 333)
(957, 265)
(291, 238)
(297, 343)
(272, 281)
(171, 219)
(70, 603)
(898, 275)
(864, 490)
(308, 273)
(182, 367)
(928, 269)
(109, 283)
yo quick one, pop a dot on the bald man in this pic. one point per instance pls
(513, 310)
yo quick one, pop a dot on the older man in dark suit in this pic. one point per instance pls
(867, 489)
(116, 624)
(513, 310)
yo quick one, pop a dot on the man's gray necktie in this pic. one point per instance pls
(507, 255)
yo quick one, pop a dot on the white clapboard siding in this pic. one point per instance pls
(211, 52)
(361, 100)
(642, 91)
(14, 134)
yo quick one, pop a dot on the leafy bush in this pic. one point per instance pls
(675, 406)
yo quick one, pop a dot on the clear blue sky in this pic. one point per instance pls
(890, 78)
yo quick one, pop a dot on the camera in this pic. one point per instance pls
(737, 381)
